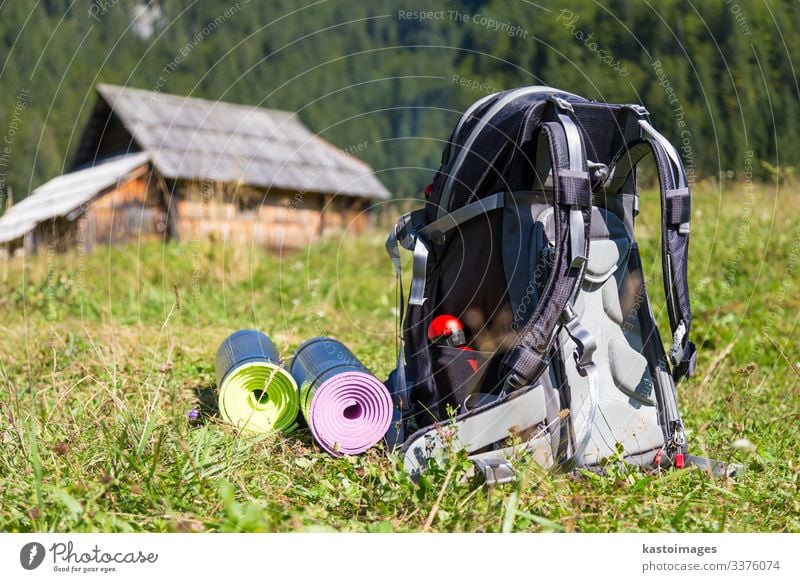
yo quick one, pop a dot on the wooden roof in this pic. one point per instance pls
(65, 195)
(197, 139)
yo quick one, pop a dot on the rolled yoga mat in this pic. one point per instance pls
(347, 408)
(256, 393)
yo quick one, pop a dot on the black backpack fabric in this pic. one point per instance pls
(527, 238)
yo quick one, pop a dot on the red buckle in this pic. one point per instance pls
(679, 461)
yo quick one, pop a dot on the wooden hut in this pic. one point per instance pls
(153, 165)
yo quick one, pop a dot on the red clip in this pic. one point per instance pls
(428, 189)
(679, 461)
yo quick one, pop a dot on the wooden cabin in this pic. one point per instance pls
(156, 166)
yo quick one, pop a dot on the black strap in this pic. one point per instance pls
(572, 215)
(675, 218)
(402, 235)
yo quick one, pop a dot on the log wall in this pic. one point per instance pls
(274, 219)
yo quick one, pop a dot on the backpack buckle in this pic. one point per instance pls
(598, 173)
(577, 238)
(676, 352)
(585, 344)
(639, 110)
(494, 471)
(561, 103)
(513, 383)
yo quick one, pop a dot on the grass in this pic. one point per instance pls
(103, 354)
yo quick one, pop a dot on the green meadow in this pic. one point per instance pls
(103, 353)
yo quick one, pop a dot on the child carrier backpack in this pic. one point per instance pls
(528, 326)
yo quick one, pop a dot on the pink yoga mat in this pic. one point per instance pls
(347, 408)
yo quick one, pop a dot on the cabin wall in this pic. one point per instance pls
(346, 214)
(133, 211)
(57, 235)
(273, 219)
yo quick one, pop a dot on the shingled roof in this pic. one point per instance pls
(197, 139)
(64, 196)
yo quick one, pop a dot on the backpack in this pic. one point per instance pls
(528, 326)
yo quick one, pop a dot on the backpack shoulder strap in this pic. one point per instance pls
(572, 215)
(675, 218)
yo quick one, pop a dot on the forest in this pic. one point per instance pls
(390, 78)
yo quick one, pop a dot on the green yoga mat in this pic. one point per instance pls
(256, 393)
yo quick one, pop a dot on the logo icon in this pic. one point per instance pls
(31, 555)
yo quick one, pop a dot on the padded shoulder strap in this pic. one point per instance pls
(572, 213)
(676, 211)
